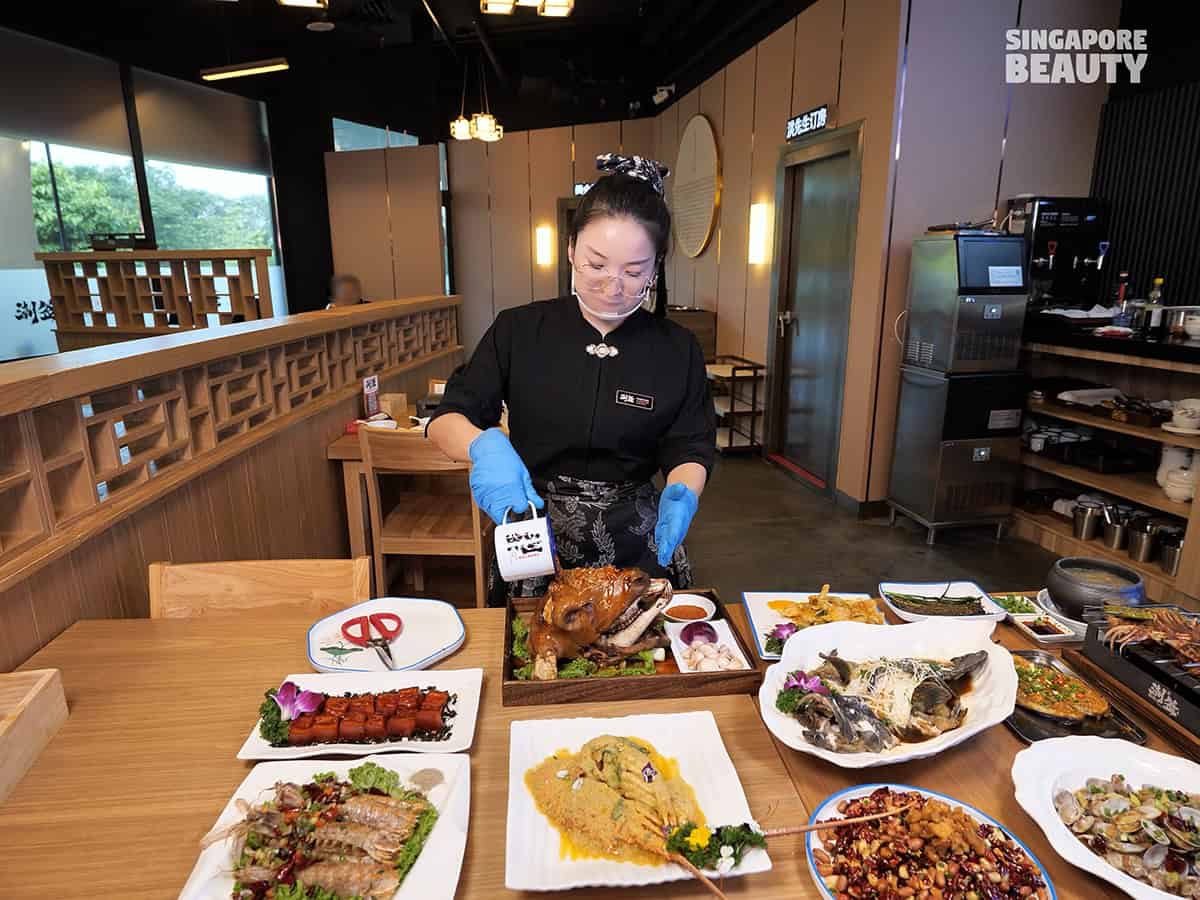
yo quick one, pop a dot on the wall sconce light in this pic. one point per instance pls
(543, 240)
(759, 232)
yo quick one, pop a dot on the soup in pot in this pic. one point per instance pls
(1098, 577)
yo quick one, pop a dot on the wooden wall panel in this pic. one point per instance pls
(550, 175)
(637, 138)
(705, 268)
(937, 180)
(773, 104)
(736, 143)
(358, 219)
(685, 267)
(472, 238)
(818, 56)
(668, 148)
(415, 200)
(508, 174)
(1074, 110)
(590, 142)
(283, 490)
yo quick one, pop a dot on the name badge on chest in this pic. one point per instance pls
(637, 401)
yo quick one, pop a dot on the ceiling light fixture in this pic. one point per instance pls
(497, 7)
(529, 2)
(305, 4)
(257, 67)
(484, 126)
(460, 128)
(556, 8)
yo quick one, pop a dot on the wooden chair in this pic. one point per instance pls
(420, 523)
(320, 586)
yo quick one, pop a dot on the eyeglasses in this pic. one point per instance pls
(596, 280)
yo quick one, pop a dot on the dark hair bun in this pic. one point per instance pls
(634, 190)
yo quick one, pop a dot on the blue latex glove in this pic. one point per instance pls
(676, 507)
(499, 480)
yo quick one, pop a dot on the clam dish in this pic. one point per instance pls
(1151, 833)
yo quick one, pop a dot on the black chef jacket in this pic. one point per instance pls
(619, 418)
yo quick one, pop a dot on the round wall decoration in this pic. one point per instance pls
(695, 190)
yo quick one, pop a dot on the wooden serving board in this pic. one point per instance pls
(667, 681)
(32, 707)
(1158, 720)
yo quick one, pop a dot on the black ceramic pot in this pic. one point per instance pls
(1072, 594)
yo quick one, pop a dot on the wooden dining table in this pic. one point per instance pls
(116, 804)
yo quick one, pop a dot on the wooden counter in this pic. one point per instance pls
(160, 449)
(117, 802)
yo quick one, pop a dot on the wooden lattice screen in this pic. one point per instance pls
(66, 461)
(100, 297)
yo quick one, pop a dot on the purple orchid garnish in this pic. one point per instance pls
(784, 630)
(293, 702)
(808, 684)
(649, 773)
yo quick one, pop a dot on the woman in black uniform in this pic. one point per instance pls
(601, 394)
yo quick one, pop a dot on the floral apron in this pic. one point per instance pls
(598, 523)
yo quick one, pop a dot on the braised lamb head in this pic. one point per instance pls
(600, 613)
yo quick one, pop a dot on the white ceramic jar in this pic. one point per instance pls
(1172, 458)
(1180, 485)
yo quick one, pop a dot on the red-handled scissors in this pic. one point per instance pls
(358, 631)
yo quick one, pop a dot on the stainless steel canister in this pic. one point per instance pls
(1116, 535)
(1171, 546)
(1088, 517)
(1143, 532)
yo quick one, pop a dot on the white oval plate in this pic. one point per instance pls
(1046, 767)
(467, 684)
(952, 589)
(991, 700)
(432, 630)
(828, 809)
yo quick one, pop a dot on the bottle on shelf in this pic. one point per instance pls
(1121, 298)
(1156, 319)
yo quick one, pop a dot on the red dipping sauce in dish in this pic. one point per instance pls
(686, 611)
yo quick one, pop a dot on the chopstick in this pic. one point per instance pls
(831, 823)
(683, 861)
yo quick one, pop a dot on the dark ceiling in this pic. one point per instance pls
(387, 63)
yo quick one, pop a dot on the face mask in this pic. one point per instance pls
(608, 316)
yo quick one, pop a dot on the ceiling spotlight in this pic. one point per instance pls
(257, 67)
(556, 8)
(497, 7)
(663, 93)
(305, 4)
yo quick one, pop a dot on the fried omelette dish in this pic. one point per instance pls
(826, 607)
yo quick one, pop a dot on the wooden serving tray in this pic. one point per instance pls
(668, 681)
(32, 707)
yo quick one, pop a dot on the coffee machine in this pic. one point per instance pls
(1067, 245)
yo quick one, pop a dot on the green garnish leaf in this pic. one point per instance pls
(272, 727)
(618, 810)
(370, 776)
(520, 638)
(738, 838)
(788, 700)
(322, 777)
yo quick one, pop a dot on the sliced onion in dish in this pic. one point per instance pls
(698, 631)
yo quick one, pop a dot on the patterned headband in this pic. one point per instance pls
(647, 170)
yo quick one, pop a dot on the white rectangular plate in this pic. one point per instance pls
(724, 636)
(762, 618)
(434, 876)
(994, 612)
(466, 683)
(1021, 623)
(532, 861)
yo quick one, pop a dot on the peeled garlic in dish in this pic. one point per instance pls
(704, 657)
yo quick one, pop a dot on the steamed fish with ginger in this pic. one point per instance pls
(616, 798)
(872, 705)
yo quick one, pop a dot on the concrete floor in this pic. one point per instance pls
(760, 529)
